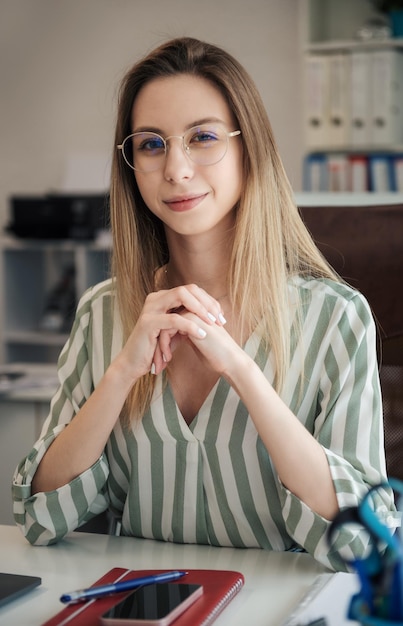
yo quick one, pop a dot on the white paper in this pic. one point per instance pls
(329, 597)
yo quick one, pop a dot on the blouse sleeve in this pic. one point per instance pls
(45, 517)
(349, 426)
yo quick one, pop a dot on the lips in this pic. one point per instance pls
(185, 203)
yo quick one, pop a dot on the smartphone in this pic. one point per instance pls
(153, 605)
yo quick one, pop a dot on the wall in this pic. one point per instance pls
(61, 62)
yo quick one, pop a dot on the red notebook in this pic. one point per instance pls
(219, 587)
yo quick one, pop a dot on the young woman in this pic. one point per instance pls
(222, 387)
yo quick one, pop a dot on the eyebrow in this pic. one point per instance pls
(154, 129)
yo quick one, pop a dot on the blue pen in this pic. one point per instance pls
(126, 585)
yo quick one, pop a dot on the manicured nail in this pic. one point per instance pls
(222, 318)
(202, 333)
(211, 317)
(152, 370)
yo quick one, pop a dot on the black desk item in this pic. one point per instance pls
(58, 216)
(14, 585)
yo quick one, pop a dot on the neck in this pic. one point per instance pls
(213, 285)
(205, 266)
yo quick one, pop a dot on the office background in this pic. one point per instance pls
(61, 62)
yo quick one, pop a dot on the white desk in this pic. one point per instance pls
(274, 581)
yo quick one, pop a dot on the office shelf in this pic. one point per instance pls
(353, 112)
(350, 45)
(29, 272)
(328, 21)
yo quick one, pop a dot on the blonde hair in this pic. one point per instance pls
(271, 242)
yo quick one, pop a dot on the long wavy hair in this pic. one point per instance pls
(271, 243)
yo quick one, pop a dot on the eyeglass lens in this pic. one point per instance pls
(204, 145)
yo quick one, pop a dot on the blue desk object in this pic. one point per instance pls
(380, 599)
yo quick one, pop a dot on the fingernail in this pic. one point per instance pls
(164, 358)
(222, 318)
(202, 333)
(152, 370)
(211, 317)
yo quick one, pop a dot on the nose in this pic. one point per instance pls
(178, 166)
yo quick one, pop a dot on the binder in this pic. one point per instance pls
(339, 97)
(380, 172)
(360, 118)
(397, 165)
(219, 588)
(358, 173)
(315, 173)
(386, 97)
(316, 101)
(338, 172)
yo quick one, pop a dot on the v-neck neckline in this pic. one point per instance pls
(208, 400)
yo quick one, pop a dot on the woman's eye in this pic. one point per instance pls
(205, 136)
(151, 145)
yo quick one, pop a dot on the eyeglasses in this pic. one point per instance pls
(206, 144)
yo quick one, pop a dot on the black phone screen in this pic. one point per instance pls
(155, 602)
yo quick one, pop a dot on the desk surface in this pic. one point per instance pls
(35, 382)
(274, 581)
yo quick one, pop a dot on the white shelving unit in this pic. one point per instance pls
(29, 270)
(329, 29)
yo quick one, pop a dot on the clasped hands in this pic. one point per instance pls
(170, 316)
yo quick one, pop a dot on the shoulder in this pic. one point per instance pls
(96, 302)
(325, 289)
(96, 296)
(329, 297)
(96, 326)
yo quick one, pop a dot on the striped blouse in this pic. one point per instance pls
(212, 482)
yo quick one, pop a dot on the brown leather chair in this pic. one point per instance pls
(364, 244)
(392, 387)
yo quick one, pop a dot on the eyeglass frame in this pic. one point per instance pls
(186, 148)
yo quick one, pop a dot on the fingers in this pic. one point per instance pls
(218, 349)
(196, 300)
(165, 318)
(172, 326)
(159, 361)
